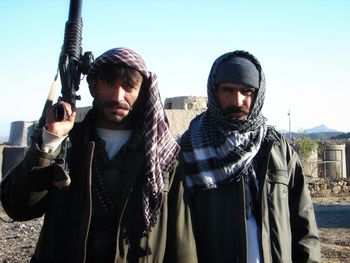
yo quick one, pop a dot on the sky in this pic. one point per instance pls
(303, 47)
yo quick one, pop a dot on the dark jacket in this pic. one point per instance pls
(27, 192)
(284, 212)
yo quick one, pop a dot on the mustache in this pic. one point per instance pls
(236, 109)
(115, 105)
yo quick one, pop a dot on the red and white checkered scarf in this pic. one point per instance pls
(160, 147)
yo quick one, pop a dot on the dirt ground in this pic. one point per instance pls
(333, 221)
(17, 239)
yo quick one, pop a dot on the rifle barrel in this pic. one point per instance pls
(75, 10)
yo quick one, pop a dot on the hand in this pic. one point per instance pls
(60, 128)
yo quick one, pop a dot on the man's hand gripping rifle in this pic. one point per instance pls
(72, 64)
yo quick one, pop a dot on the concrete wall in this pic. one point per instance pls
(310, 167)
(179, 111)
(182, 111)
(179, 120)
(81, 112)
(186, 103)
(20, 132)
(335, 161)
(2, 146)
(10, 156)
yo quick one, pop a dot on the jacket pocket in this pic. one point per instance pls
(277, 183)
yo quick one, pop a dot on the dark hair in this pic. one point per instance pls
(121, 73)
(125, 75)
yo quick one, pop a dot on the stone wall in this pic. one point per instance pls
(320, 187)
(179, 111)
(193, 103)
(179, 120)
(182, 110)
(10, 156)
(20, 133)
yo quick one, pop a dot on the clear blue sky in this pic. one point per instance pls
(303, 46)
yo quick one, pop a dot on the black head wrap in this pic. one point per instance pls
(248, 72)
(217, 148)
(238, 70)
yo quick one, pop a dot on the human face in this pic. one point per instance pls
(114, 101)
(236, 99)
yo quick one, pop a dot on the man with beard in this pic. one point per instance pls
(121, 201)
(248, 193)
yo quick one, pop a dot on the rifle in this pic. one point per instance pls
(71, 62)
(71, 65)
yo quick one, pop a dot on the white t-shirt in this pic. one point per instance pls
(253, 235)
(114, 139)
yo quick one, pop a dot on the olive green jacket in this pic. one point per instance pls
(285, 214)
(29, 191)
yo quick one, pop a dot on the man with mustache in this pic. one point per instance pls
(121, 201)
(248, 193)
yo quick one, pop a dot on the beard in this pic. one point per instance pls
(112, 112)
(114, 105)
(236, 109)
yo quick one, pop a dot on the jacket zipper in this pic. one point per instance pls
(262, 176)
(85, 232)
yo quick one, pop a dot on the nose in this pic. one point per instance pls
(237, 98)
(118, 92)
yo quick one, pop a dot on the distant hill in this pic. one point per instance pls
(283, 131)
(342, 136)
(317, 129)
(323, 135)
(315, 135)
(320, 128)
(321, 132)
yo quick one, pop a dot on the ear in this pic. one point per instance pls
(92, 87)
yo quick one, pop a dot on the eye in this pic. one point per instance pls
(104, 83)
(131, 87)
(225, 89)
(128, 88)
(248, 91)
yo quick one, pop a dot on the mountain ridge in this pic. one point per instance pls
(316, 129)
(320, 132)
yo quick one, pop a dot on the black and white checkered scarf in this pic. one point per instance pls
(160, 147)
(217, 149)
